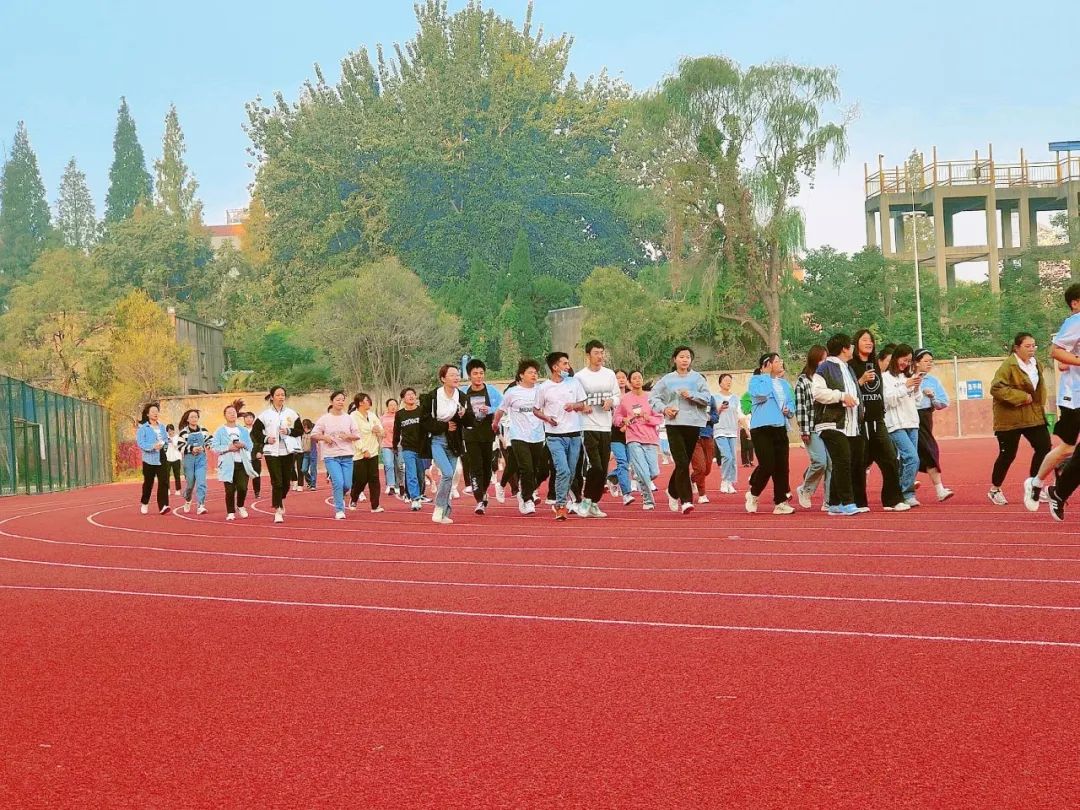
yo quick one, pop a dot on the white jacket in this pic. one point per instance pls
(900, 412)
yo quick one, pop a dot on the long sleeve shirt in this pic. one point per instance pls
(667, 393)
(804, 405)
(900, 412)
(939, 401)
(645, 421)
(770, 397)
(369, 429)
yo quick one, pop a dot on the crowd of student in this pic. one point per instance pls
(854, 405)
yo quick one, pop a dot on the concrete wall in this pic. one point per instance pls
(566, 325)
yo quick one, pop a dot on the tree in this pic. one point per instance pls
(729, 152)
(25, 229)
(174, 187)
(159, 253)
(129, 181)
(143, 361)
(281, 356)
(405, 335)
(521, 317)
(76, 220)
(56, 323)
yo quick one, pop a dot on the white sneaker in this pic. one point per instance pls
(530, 508)
(824, 507)
(701, 499)
(144, 509)
(687, 508)
(362, 497)
(594, 511)
(242, 511)
(230, 516)
(862, 510)
(437, 514)
(186, 507)
(672, 504)
(751, 503)
(454, 493)
(783, 509)
(648, 507)
(912, 502)
(997, 497)
(339, 515)
(202, 510)
(581, 510)
(389, 491)
(652, 487)
(900, 507)
(164, 510)
(627, 500)
(804, 498)
(468, 490)
(500, 494)
(377, 510)
(279, 516)
(945, 494)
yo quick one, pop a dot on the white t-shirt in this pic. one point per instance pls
(598, 385)
(1068, 338)
(446, 407)
(552, 399)
(518, 404)
(727, 425)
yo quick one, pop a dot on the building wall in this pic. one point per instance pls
(206, 360)
(566, 325)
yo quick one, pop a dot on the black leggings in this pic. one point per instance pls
(160, 473)
(365, 473)
(510, 469)
(478, 466)
(876, 447)
(530, 459)
(845, 455)
(771, 449)
(682, 440)
(1008, 442)
(256, 481)
(280, 469)
(596, 449)
(175, 468)
(298, 466)
(236, 490)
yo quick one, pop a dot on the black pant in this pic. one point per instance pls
(236, 490)
(365, 473)
(746, 447)
(298, 466)
(256, 482)
(175, 467)
(845, 455)
(530, 459)
(876, 447)
(160, 473)
(510, 470)
(478, 466)
(597, 452)
(771, 448)
(280, 469)
(682, 439)
(1069, 477)
(1008, 442)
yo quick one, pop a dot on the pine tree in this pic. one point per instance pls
(521, 317)
(76, 219)
(129, 181)
(174, 186)
(24, 213)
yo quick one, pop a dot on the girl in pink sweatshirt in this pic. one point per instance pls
(637, 418)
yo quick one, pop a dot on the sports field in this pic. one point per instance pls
(920, 659)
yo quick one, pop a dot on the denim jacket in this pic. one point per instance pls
(146, 438)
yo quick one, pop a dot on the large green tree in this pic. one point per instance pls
(129, 181)
(76, 220)
(174, 185)
(25, 229)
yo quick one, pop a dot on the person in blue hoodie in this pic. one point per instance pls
(151, 438)
(772, 405)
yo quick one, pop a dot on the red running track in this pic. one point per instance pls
(925, 659)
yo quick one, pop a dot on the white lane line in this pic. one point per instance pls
(800, 631)
(544, 586)
(92, 519)
(542, 566)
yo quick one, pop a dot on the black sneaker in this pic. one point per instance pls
(1057, 505)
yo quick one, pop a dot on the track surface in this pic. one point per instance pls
(926, 659)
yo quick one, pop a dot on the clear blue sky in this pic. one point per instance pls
(916, 70)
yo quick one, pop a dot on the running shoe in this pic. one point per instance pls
(164, 510)
(672, 504)
(1032, 495)
(560, 513)
(144, 509)
(241, 511)
(523, 506)
(804, 497)
(186, 507)
(279, 516)
(783, 509)
(912, 502)
(202, 510)
(230, 516)
(628, 500)
(339, 515)
(687, 508)
(945, 494)
(582, 509)
(900, 507)
(479, 509)
(997, 497)
(702, 499)
(415, 506)
(377, 510)
(530, 507)
(500, 494)
(648, 507)
(1057, 505)
(751, 503)
(594, 511)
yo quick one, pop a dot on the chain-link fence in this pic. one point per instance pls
(50, 442)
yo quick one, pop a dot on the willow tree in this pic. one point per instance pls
(729, 150)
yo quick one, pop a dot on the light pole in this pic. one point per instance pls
(914, 217)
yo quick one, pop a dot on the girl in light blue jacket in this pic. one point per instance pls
(772, 405)
(232, 443)
(152, 439)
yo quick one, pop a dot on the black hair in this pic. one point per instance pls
(623, 371)
(765, 358)
(476, 362)
(273, 388)
(859, 335)
(837, 343)
(335, 394)
(901, 350)
(406, 389)
(679, 350)
(593, 344)
(553, 359)
(720, 379)
(170, 426)
(1020, 338)
(525, 364)
(1072, 293)
(387, 403)
(307, 423)
(886, 351)
(146, 411)
(187, 413)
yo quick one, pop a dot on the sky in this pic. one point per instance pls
(958, 75)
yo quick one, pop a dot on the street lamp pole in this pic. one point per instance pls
(914, 217)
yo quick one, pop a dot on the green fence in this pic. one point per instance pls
(50, 442)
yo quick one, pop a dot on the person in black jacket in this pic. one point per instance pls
(873, 445)
(479, 435)
(443, 411)
(409, 440)
(256, 451)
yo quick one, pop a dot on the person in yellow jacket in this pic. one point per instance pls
(365, 471)
(1019, 396)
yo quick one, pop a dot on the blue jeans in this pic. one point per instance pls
(820, 467)
(195, 477)
(391, 464)
(565, 451)
(339, 468)
(414, 473)
(906, 442)
(621, 473)
(444, 457)
(729, 471)
(311, 465)
(646, 467)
